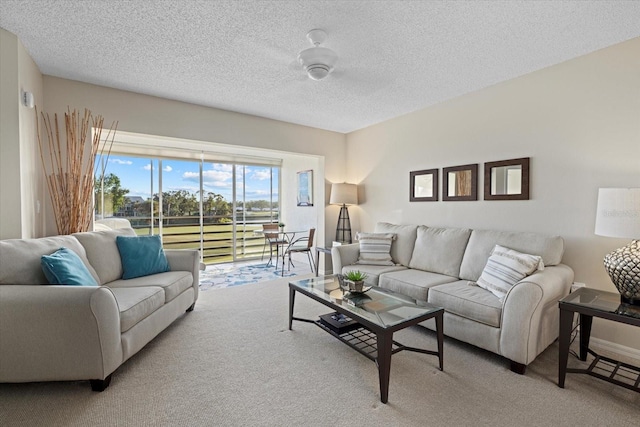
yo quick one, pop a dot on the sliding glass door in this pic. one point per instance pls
(178, 199)
(213, 207)
(256, 203)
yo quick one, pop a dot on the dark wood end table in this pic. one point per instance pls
(590, 303)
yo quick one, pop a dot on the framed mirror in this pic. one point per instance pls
(507, 180)
(423, 185)
(460, 183)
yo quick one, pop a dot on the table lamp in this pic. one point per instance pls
(344, 194)
(618, 215)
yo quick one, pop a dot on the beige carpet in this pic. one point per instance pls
(232, 362)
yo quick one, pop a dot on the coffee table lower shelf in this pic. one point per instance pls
(360, 339)
(364, 341)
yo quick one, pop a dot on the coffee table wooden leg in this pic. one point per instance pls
(385, 342)
(440, 332)
(292, 298)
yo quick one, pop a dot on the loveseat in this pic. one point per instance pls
(62, 332)
(444, 265)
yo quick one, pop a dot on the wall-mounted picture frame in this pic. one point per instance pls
(507, 179)
(305, 188)
(423, 185)
(460, 183)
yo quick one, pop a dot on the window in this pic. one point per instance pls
(211, 206)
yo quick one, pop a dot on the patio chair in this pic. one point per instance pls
(302, 245)
(272, 237)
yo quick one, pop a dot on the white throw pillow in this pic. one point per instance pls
(506, 267)
(375, 248)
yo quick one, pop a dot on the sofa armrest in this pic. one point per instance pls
(186, 260)
(344, 255)
(58, 333)
(530, 313)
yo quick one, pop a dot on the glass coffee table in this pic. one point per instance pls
(366, 321)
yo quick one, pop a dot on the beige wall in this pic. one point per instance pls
(10, 213)
(21, 178)
(32, 183)
(578, 121)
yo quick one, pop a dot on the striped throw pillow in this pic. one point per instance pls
(375, 248)
(506, 267)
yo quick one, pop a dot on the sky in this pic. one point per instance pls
(135, 172)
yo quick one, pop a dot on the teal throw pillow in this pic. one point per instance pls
(64, 267)
(141, 256)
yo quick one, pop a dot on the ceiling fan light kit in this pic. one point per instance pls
(317, 61)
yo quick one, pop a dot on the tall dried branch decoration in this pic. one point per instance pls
(69, 171)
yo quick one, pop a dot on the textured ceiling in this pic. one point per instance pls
(394, 56)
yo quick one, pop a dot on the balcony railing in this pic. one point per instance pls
(220, 241)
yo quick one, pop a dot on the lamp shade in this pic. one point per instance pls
(618, 213)
(344, 194)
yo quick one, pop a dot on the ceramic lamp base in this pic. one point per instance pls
(623, 266)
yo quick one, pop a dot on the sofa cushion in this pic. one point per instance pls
(482, 242)
(464, 299)
(173, 283)
(64, 267)
(505, 268)
(373, 271)
(402, 246)
(103, 253)
(439, 250)
(136, 304)
(375, 248)
(141, 256)
(20, 258)
(413, 283)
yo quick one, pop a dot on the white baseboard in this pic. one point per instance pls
(616, 351)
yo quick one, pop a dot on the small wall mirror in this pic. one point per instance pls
(460, 183)
(423, 185)
(507, 180)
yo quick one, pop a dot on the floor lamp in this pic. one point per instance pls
(344, 194)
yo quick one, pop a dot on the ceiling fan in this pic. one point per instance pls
(317, 61)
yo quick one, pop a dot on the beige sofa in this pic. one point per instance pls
(61, 333)
(441, 266)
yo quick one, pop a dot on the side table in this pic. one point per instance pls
(590, 303)
(324, 251)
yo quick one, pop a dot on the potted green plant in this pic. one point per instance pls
(355, 279)
(281, 225)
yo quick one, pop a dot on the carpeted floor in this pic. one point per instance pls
(233, 362)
